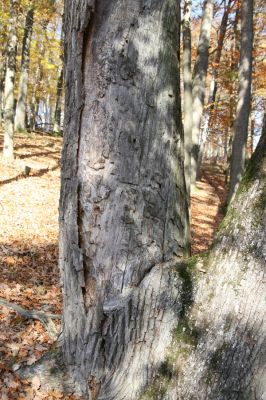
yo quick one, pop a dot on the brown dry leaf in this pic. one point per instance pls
(23, 352)
(55, 394)
(15, 347)
(13, 384)
(30, 393)
(31, 360)
(36, 383)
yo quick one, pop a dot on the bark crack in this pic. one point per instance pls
(84, 38)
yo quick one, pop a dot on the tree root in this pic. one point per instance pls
(44, 318)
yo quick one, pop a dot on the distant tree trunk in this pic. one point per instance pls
(58, 105)
(213, 86)
(59, 90)
(123, 208)
(20, 118)
(235, 53)
(199, 79)
(8, 151)
(243, 104)
(187, 78)
(2, 81)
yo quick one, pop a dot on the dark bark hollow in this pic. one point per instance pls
(123, 210)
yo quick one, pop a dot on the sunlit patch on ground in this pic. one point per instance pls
(29, 194)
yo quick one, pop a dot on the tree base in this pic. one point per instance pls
(51, 372)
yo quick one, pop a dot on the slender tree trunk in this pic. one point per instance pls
(59, 90)
(123, 208)
(235, 52)
(58, 105)
(8, 151)
(243, 105)
(20, 118)
(213, 86)
(187, 78)
(2, 82)
(199, 79)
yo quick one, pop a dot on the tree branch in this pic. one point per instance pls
(44, 318)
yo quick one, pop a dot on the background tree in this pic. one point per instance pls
(243, 105)
(10, 81)
(187, 79)
(59, 91)
(20, 117)
(213, 85)
(37, 75)
(199, 78)
(4, 13)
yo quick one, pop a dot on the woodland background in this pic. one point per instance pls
(30, 183)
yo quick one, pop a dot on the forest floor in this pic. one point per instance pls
(29, 277)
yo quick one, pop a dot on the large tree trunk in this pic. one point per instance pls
(20, 118)
(244, 95)
(10, 82)
(219, 348)
(123, 208)
(199, 79)
(187, 78)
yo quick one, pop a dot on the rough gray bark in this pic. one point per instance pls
(199, 79)
(244, 95)
(187, 78)
(10, 82)
(123, 208)
(213, 86)
(20, 118)
(219, 349)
